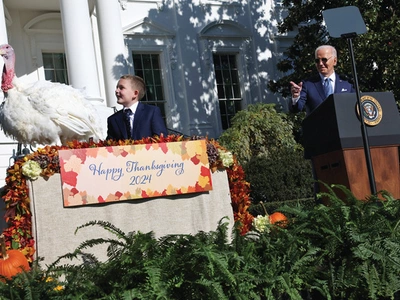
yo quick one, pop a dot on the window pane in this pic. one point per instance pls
(231, 107)
(218, 76)
(155, 62)
(221, 92)
(137, 62)
(49, 75)
(139, 73)
(148, 77)
(236, 91)
(228, 92)
(55, 67)
(61, 76)
(226, 74)
(217, 63)
(224, 62)
(232, 61)
(146, 61)
(159, 92)
(47, 61)
(228, 87)
(157, 77)
(150, 93)
(238, 106)
(222, 107)
(234, 77)
(148, 67)
(59, 62)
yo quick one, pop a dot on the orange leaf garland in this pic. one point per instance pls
(19, 231)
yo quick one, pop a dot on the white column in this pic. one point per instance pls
(3, 29)
(79, 47)
(113, 50)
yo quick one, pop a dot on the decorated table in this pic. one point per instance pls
(42, 218)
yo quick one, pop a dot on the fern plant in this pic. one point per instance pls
(201, 266)
(358, 245)
(35, 284)
(346, 250)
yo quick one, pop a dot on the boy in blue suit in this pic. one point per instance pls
(136, 120)
(310, 93)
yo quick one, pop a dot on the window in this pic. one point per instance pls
(148, 67)
(55, 67)
(228, 86)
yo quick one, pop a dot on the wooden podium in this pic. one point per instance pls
(333, 140)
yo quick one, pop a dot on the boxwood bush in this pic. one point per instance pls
(283, 175)
(258, 130)
(263, 140)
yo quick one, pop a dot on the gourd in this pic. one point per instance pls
(278, 219)
(12, 262)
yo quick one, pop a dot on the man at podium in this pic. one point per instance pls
(313, 91)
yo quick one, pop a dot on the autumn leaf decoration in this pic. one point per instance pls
(18, 234)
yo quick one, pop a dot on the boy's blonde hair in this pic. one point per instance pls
(137, 83)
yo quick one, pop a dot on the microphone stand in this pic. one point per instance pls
(367, 152)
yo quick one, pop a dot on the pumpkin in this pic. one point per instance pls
(278, 219)
(12, 262)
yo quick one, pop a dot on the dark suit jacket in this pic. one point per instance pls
(312, 93)
(147, 122)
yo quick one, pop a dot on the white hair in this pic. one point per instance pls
(333, 50)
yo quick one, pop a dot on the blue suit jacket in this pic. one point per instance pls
(147, 122)
(312, 93)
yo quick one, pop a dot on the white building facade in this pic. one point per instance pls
(203, 60)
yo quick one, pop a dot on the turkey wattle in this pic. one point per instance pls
(44, 112)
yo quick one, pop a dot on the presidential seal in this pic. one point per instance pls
(372, 110)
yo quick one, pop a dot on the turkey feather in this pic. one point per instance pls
(45, 112)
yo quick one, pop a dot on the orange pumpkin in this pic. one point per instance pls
(278, 219)
(12, 262)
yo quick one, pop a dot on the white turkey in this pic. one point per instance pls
(44, 112)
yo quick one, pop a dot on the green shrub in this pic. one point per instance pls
(263, 141)
(296, 119)
(283, 175)
(258, 131)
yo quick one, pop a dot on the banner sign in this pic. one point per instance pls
(117, 173)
